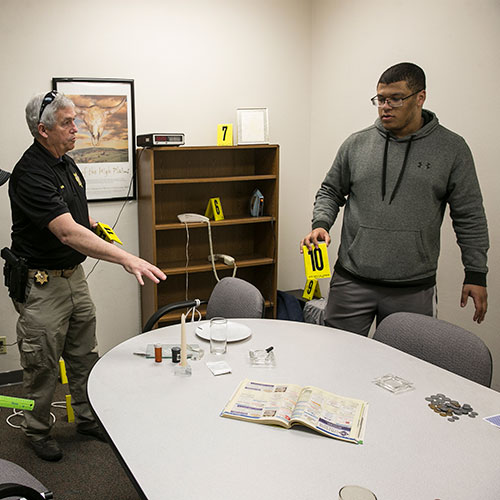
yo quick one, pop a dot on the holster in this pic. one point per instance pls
(15, 273)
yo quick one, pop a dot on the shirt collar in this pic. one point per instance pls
(50, 158)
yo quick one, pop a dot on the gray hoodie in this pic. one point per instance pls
(395, 192)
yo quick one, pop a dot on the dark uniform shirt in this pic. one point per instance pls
(41, 188)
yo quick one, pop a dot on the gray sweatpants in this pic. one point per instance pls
(353, 305)
(57, 319)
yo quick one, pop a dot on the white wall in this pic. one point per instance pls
(456, 42)
(193, 64)
(314, 64)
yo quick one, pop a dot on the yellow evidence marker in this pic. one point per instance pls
(225, 134)
(64, 380)
(311, 289)
(316, 262)
(106, 233)
(214, 209)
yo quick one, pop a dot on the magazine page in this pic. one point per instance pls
(332, 415)
(263, 402)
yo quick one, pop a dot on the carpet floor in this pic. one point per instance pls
(88, 470)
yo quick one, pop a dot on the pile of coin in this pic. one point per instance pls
(447, 407)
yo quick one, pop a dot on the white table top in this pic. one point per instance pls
(168, 431)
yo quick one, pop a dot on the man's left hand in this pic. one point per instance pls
(479, 295)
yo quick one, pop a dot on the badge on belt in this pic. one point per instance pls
(41, 277)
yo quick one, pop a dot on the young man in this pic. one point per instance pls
(51, 230)
(395, 179)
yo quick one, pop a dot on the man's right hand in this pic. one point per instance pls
(313, 239)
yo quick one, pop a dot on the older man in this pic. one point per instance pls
(51, 232)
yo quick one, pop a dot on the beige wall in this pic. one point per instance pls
(314, 64)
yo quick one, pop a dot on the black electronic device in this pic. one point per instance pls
(157, 139)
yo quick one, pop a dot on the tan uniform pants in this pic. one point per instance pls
(57, 319)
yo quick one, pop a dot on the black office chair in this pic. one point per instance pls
(155, 317)
(438, 342)
(18, 483)
(230, 298)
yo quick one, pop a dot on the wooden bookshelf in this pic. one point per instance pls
(176, 180)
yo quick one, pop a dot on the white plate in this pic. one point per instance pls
(235, 331)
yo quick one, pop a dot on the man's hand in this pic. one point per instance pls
(88, 243)
(93, 223)
(140, 267)
(312, 240)
(479, 295)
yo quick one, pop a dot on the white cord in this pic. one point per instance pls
(193, 311)
(228, 260)
(187, 259)
(212, 258)
(20, 413)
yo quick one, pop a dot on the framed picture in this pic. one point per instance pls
(253, 126)
(105, 144)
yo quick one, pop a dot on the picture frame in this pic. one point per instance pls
(253, 125)
(105, 145)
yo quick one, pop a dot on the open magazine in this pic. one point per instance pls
(290, 404)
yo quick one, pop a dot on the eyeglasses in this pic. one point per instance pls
(393, 102)
(48, 98)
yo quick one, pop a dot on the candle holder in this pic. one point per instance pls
(183, 371)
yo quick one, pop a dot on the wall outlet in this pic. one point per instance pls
(3, 345)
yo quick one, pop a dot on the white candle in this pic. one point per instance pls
(183, 341)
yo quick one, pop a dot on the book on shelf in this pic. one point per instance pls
(290, 404)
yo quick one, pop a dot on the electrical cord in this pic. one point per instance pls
(228, 260)
(187, 259)
(20, 413)
(119, 213)
(212, 258)
(194, 310)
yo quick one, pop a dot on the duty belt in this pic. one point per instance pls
(41, 276)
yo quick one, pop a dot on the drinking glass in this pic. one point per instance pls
(218, 335)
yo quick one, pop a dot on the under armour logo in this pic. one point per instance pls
(425, 165)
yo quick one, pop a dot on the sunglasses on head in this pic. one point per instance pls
(48, 98)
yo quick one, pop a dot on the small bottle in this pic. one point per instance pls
(158, 353)
(176, 354)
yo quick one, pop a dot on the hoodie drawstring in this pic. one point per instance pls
(384, 168)
(401, 173)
